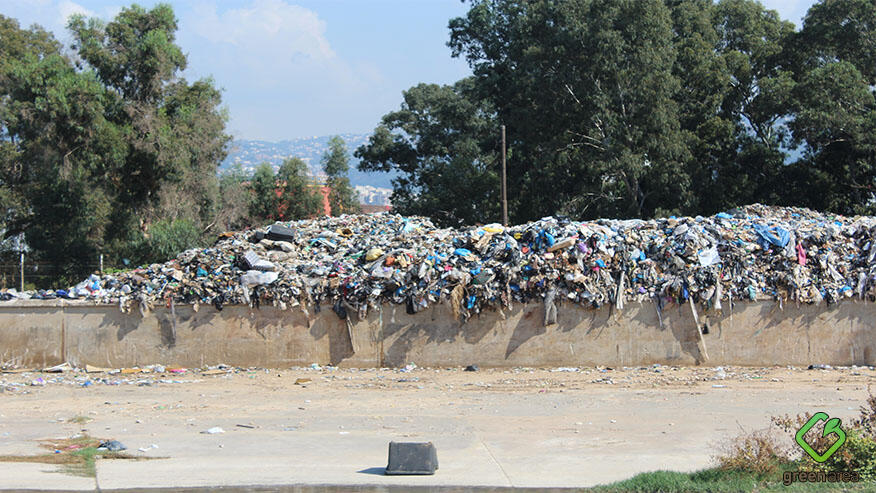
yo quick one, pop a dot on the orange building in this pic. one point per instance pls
(369, 209)
(324, 191)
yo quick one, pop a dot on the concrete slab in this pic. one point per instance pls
(352, 456)
(494, 428)
(26, 476)
(352, 464)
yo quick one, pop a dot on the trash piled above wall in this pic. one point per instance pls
(353, 263)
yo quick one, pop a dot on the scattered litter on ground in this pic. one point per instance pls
(58, 368)
(543, 380)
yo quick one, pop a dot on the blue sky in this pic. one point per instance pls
(299, 68)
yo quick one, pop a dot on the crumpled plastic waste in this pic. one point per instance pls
(354, 263)
(112, 446)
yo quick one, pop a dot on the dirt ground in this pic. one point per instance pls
(585, 426)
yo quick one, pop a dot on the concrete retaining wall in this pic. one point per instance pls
(38, 334)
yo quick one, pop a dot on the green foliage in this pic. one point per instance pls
(834, 56)
(633, 108)
(336, 165)
(286, 196)
(840, 30)
(263, 202)
(739, 146)
(166, 239)
(94, 151)
(299, 199)
(335, 162)
(713, 481)
(135, 54)
(234, 200)
(585, 89)
(343, 198)
(444, 142)
(195, 145)
(757, 452)
(717, 480)
(857, 454)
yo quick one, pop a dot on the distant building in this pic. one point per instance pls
(370, 208)
(324, 191)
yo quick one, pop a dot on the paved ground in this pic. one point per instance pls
(522, 427)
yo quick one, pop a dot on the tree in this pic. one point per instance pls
(263, 202)
(234, 198)
(758, 103)
(61, 155)
(585, 88)
(92, 151)
(834, 122)
(445, 142)
(840, 30)
(336, 165)
(707, 133)
(613, 108)
(298, 200)
(286, 196)
(175, 130)
(636, 108)
(135, 54)
(19, 48)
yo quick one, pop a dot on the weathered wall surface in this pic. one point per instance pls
(37, 334)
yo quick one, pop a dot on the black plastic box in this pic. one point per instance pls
(412, 458)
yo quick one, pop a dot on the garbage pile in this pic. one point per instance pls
(354, 263)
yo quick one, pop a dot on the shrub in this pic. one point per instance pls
(857, 454)
(166, 240)
(757, 452)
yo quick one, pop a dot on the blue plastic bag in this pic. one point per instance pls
(774, 236)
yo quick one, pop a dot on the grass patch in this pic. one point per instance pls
(76, 456)
(758, 461)
(85, 461)
(81, 420)
(718, 480)
(711, 480)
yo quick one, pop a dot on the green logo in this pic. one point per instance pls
(832, 425)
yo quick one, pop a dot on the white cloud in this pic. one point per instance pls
(68, 8)
(269, 26)
(280, 75)
(271, 44)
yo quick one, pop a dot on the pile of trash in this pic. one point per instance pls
(354, 263)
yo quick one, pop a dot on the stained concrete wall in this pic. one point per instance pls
(37, 334)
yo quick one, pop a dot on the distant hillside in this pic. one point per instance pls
(249, 153)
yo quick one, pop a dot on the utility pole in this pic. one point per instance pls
(21, 259)
(504, 184)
